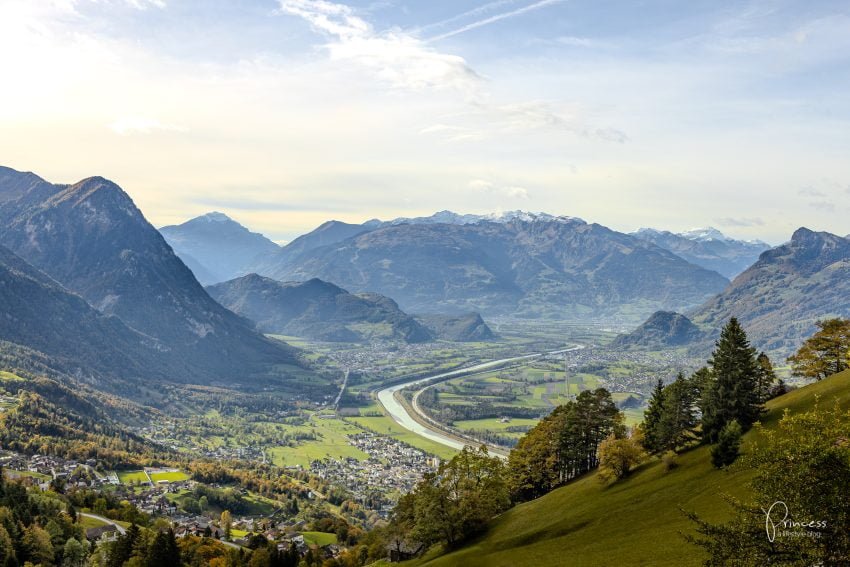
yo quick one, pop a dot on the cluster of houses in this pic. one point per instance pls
(46, 468)
(392, 468)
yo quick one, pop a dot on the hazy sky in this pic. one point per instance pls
(287, 113)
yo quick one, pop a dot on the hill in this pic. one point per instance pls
(91, 238)
(323, 311)
(216, 248)
(526, 265)
(664, 329)
(461, 328)
(634, 522)
(782, 295)
(708, 248)
(317, 309)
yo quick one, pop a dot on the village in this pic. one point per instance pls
(393, 468)
(155, 498)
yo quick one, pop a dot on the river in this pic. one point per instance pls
(400, 415)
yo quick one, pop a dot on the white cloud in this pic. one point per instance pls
(395, 56)
(511, 191)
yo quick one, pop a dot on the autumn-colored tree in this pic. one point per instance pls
(618, 456)
(37, 545)
(226, 524)
(533, 463)
(825, 353)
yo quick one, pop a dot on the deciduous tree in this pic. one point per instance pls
(826, 353)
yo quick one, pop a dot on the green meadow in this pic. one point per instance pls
(637, 521)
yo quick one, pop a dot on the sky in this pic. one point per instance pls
(286, 113)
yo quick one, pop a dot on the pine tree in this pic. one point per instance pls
(732, 393)
(678, 415)
(652, 419)
(163, 551)
(765, 378)
(728, 444)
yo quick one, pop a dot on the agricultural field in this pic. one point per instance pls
(329, 438)
(320, 539)
(501, 405)
(129, 477)
(170, 476)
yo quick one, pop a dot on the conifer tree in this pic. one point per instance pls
(652, 419)
(765, 378)
(678, 415)
(732, 392)
(728, 444)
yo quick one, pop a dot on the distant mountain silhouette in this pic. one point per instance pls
(216, 248)
(531, 265)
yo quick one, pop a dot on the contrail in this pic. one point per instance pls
(483, 9)
(496, 18)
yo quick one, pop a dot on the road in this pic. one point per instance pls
(118, 526)
(342, 388)
(399, 414)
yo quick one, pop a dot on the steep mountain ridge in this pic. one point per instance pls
(780, 297)
(91, 238)
(77, 340)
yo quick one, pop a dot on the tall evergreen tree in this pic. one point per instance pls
(652, 419)
(678, 415)
(732, 393)
(163, 551)
(765, 378)
(728, 444)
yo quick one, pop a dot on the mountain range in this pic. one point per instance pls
(708, 248)
(323, 311)
(523, 264)
(92, 240)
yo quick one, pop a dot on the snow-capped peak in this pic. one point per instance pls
(704, 234)
(449, 217)
(215, 216)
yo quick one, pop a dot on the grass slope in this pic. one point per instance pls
(634, 522)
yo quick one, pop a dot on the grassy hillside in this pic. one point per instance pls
(634, 522)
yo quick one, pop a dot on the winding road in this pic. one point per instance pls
(105, 520)
(398, 412)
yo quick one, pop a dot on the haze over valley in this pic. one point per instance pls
(358, 283)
